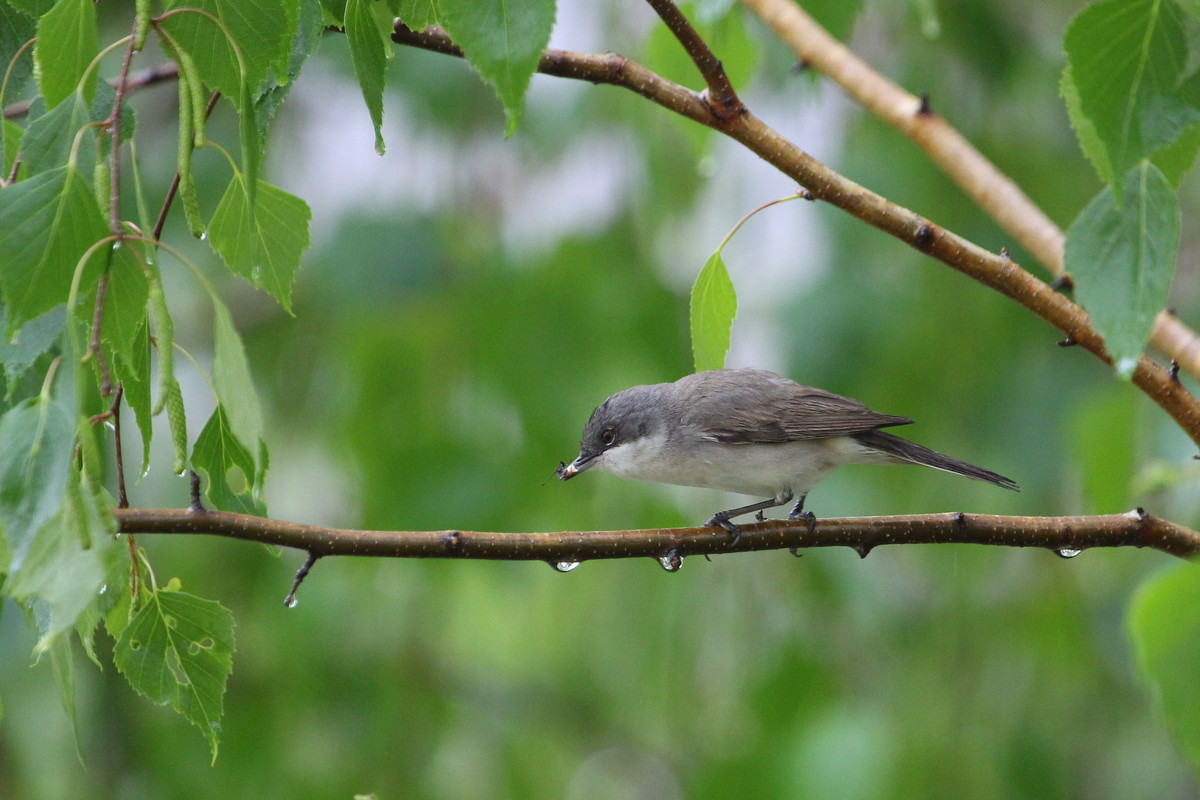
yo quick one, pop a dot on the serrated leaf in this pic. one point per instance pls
(32, 8)
(216, 454)
(15, 30)
(125, 301)
(417, 14)
(1129, 62)
(235, 387)
(369, 59)
(503, 40)
(36, 442)
(68, 41)
(50, 136)
(132, 369)
(46, 225)
(713, 307)
(34, 338)
(262, 29)
(1122, 258)
(1165, 628)
(178, 651)
(310, 30)
(1085, 131)
(12, 136)
(264, 247)
(70, 558)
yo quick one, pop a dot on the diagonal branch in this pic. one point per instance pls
(993, 191)
(720, 94)
(1063, 535)
(823, 183)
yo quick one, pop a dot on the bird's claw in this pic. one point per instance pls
(809, 518)
(719, 521)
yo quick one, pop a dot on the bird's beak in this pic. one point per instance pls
(568, 471)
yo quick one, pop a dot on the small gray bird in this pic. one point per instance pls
(747, 431)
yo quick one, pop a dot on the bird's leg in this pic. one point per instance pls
(721, 518)
(798, 512)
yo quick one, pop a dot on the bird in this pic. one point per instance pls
(746, 431)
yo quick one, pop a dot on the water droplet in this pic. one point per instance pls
(204, 236)
(564, 566)
(117, 245)
(291, 601)
(103, 589)
(672, 561)
(1067, 553)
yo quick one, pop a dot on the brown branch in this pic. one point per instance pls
(720, 94)
(993, 191)
(823, 183)
(1063, 535)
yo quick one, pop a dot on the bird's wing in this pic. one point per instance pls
(754, 406)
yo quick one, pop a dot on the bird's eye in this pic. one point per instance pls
(608, 437)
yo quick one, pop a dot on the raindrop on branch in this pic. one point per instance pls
(672, 561)
(1067, 553)
(563, 566)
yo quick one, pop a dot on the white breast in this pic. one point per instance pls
(761, 470)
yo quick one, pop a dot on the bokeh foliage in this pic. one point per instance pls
(468, 300)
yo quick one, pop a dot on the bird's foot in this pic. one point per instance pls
(720, 520)
(809, 518)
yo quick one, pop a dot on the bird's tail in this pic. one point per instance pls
(905, 450)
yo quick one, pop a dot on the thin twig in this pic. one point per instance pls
(159, 223)
(823, 183)
(721, 94)
(122, 497)
(993, 191)
(1060, 534)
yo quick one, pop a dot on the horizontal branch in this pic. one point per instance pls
(823, 183)
(1063, 535)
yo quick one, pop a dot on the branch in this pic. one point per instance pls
(990, 269)
(991, 189)
(167, 71)
(720, 94)
(1063, 535)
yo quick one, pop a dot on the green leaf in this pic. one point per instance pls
(46, 225)
(34, 338)
(15, 30)
(12, 136)
(132, 368)
(1122, 257)
(68, 41)
(503, 40)
(714, 305)
(309, 32)
(264, 248)
(70, 559)
(235, 388)
(217, 454)
(32, 8)
(1085, 131)
(36, 441)
(1128, 60)
(124, 303)
(417, 14)
(1165, 627)
(262, 30)
(368, 55)
(178, 650)
(50, 136)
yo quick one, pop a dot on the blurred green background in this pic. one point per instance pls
(466, 303)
